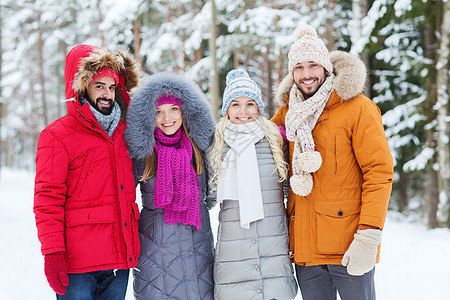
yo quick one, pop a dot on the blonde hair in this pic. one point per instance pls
(151, 161)
(271, 133)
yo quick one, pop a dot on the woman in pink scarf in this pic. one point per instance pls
(170, 126)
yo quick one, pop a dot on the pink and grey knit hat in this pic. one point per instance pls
(105, 72)
(308, 47)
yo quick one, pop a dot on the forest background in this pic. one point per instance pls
(404, 44)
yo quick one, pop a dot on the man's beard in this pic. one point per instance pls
(307, 93)
(103, 110)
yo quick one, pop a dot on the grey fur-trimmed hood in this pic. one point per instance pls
(350, 78)
(141, 113)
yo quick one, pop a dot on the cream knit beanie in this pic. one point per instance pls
(308, 47)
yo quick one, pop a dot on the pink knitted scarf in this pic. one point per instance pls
(177, 189)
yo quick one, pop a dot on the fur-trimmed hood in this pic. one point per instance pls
(350, 78)
(83, 62)
(141, 113)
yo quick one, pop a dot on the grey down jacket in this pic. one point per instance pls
(255, 263)
(176, 260)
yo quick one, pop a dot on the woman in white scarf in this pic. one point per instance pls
(248, 171)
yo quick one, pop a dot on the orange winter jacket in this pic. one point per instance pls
(353, 185)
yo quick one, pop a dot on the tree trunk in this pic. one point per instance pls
(198, 53)
(100, 21)
(432, 191)
(443, 125)
(214, 85)
(280, 63)
(360, 9)
(137, 41)
(402, 201)
(41, 72)
(183, 40)
(270, 108)
(330, 26)
(364, 57)
(61, 105)
(236, 53)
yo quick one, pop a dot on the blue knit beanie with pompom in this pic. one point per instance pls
(239, 84)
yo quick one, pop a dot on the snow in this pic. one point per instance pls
(415, 261)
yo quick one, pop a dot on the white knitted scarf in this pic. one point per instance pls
(301, 119)
(240, 179)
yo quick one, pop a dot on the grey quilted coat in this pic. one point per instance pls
(255, 263)
(176, 260)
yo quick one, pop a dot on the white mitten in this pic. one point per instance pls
(362, 253)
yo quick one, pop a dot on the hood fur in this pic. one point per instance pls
(103, 58)
(141, 113)
(350, 78)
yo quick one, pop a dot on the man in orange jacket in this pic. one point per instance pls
(341, 171)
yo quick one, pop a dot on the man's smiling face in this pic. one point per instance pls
(101, 94)
(308, 77)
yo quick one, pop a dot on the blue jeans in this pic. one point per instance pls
(107, 285)
(323, 281)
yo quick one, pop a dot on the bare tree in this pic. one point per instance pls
(214, 85)
(432, 191)
(137, 40)
(100, 20)
(360, 9)
(442, 103)
(40, 71)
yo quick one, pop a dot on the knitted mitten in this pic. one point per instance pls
(55, 268)
(361, 255)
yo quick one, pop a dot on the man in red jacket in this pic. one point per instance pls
(84, 202)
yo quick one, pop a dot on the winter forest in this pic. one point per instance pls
(404, 44)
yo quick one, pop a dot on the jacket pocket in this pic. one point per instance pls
(89, 236)
(336, 222)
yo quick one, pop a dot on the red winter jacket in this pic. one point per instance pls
(84, 189)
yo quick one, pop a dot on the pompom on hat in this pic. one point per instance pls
(308, 47)
(106, 72)
(239, 84)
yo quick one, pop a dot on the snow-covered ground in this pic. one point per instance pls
(415, 262)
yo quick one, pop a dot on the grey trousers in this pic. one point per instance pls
(323, 281)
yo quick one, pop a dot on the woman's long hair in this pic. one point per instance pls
(215, 152)
(151, 162)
